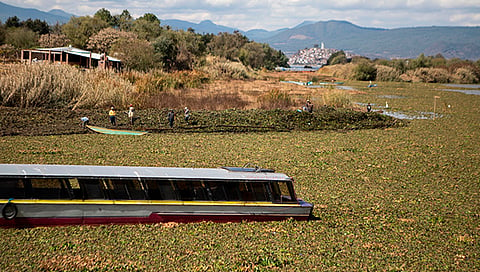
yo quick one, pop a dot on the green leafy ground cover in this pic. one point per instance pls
(37, 122)
(396, 199)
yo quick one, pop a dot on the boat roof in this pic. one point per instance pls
(95, 171)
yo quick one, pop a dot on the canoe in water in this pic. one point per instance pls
(116, 131)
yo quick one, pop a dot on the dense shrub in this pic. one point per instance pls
(465, 76)
(386, 73)
(432, 75)
(341, 71)
(364, 71)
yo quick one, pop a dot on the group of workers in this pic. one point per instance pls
(112, 115)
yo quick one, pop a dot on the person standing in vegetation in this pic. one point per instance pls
(171, 118)
(84, 121)
(187, 115)
(369, 107)
(309, 106)
(131, 114)
(111, 115)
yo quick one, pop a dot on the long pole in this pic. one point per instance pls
(435, 105)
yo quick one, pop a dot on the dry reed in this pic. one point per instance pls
(54, 85)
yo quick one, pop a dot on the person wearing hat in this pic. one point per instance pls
(111, 115)
(131, 114)
(85, 121)
(187, 114)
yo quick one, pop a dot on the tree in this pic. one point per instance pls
(136, 54)
(106, 38)
(13, 22)
(40, 27)
(2, 33)
(105, 15)
(227, 45)
(124, 20)
(420, 62)
(21, 38)
(150, 17)
(274, 58)
(79, 29)
(190, 47)
(338, 57)
(166, 49)
(400, 65)
(252, 54)
(53, 40)
(147, 27)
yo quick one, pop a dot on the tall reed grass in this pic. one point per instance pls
(219, 68)
(275, 99)
(53, 85)
(158, 80)
(337, 98)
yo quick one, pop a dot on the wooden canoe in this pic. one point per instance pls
(115, 131)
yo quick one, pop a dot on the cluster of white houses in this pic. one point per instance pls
(71, 55)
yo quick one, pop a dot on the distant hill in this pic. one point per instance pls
(203, 27)
(451, 42)
(51, 17)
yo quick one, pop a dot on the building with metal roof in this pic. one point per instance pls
(72, 56)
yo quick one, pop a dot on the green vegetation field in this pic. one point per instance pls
(397, 199)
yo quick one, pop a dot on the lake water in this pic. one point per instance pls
(402, 115)
(467, 88)
(409, 116)
(299, 68)
(391, 96)
(474, 92)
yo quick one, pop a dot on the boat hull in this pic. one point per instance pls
(52, 213)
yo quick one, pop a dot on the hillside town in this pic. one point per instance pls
(316, 56)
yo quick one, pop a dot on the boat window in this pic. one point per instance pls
(74, 188)
(48, 188)
(233, 190)
(12, 188)
(191, 190)
(227, 191)
(217, 191)
(282, 192)
(253, 191)
(160, 190)
(125, 189)
(92, 189)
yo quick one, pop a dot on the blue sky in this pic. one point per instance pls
(275, 14)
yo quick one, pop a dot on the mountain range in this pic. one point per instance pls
(451, 42)
(52, 17)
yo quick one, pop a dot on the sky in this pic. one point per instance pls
(275, 14)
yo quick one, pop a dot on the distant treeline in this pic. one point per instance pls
(142, 44)
(432, 69)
